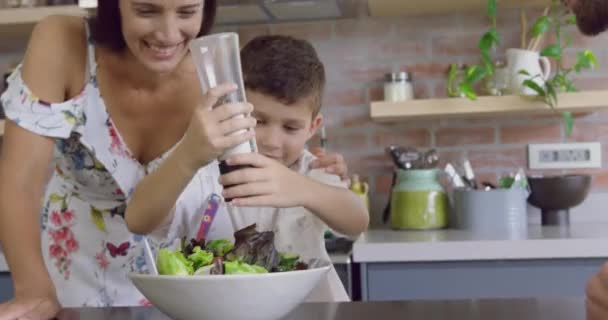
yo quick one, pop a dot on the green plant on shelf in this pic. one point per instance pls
(554, 19)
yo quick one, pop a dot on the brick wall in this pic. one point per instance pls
(358, 52)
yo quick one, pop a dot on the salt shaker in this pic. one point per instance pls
(398, 87)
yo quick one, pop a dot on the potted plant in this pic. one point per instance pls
(543, 87)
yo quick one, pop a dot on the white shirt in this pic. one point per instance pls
(298, 230)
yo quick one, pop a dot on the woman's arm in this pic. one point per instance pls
(207, 136)
(25, 167)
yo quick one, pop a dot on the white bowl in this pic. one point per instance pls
(229, 297)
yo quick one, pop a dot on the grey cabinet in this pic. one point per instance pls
(477, 279)
(6, 287)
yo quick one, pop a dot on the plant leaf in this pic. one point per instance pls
(524, 72)
(568, 122)
(487, 62)
(568, 40)
(486, 41)
(468, 91)
(552, 51)
(495, 36)
(97, 217)
(534, 86)
(571, 19)
(540, 26)
(491, 9)
(551, 95)
(474, 74)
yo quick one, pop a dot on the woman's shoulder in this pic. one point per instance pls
(55, 58)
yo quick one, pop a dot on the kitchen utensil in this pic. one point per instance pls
(469, 175)
(418, 201)
(149, 257)
(556, 195)
(218, 61)
(213, 204)
(496, 212)
(431, 159)
(454, 177)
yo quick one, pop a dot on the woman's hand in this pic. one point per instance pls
(213, 130)
(30, 307)
(597, 295)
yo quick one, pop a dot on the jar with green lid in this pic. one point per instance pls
(418, 201)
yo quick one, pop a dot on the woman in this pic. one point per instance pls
(108, 123)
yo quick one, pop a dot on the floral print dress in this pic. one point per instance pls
(86, 245)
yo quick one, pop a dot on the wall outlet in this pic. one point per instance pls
(577, 155)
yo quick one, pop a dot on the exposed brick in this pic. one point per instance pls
(406, 138)
(530, 133)
(313, 31)
(383, 183)
(466, 43)
(498, 159)
(247, 33)
(376, 93)
(583, 132)
(347, 141)
(366, 72)
(453, 157)
(346, 97)
(407, 48)
(363, 28)
(378, 163)
(591, 83)
(452, 137)
(427, 70)
(429, 23)
(581, 41)
(460, 44)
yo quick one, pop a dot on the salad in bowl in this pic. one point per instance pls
(247, 279)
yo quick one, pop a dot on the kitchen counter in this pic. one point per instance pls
(577, 241)
(559, 309)
(551, 262)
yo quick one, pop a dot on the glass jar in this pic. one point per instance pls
(496, 84)
(398, 87)
(456, 75)
(418, 201)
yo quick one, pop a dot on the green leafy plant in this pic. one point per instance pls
(554, 19)
(557, 17)
(475, 73)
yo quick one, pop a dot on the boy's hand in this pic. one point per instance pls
(597, 295)
(268, 184)
(333, 163)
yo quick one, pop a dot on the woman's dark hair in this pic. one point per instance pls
(107, 28)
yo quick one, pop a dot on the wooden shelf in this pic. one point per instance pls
(485, 106)
(16, 24)
(392, 8)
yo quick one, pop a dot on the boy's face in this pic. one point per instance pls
(282, 130)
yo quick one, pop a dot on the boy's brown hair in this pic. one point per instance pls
(285, 68)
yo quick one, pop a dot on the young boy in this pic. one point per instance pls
(284, 80)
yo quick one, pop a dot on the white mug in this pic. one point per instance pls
(538, 68)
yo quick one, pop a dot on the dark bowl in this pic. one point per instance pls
(558, 192)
